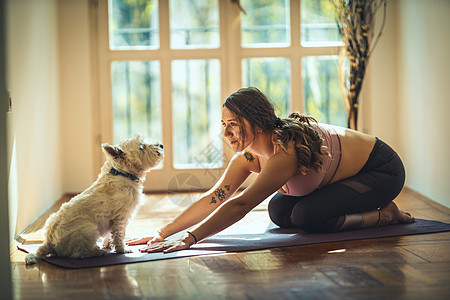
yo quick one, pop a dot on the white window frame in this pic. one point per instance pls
(230, 54)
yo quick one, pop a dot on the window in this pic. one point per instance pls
(196, 113)
(322, 94)
(136, 100)
(165, 68)
(265, 24)
(318, 27)
(194, 24)
(133, 24)
(271, 75)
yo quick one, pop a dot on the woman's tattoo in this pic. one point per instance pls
(220, 194)
(248, 156)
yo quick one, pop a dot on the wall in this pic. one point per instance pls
(380, 88)
(34, 136)
(50, 131)
(76, 89)
(424, 95)
(5, 263)
(409, 92)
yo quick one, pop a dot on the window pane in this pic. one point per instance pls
(272, 77)
(194, 24)
(318, 23)
(266, 23)
(136, 99)
(197, 135)
(133, 24)
(322, 94)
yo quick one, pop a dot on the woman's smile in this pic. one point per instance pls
(233, 130)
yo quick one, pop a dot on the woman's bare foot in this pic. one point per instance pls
(390, 214)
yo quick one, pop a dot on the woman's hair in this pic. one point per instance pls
(251, 104)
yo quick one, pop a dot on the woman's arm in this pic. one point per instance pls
(278, 169)
(237, 171)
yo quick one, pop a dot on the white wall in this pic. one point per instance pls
(76, 89)
(50, 131)
(34, 136)
(410, 92)
(5, 263)
(424, 94)
(380, 96)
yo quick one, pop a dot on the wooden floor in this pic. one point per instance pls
(410, 267)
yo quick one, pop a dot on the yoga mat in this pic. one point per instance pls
(246, 238)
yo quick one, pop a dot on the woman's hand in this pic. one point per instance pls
(146, 240)
(181, 243)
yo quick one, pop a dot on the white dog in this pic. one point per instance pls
(105, 208)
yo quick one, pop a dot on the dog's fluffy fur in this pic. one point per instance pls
(105, 208)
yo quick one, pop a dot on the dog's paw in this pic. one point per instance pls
(107, 244)
(123, 250)
(31, 259)
(99, 252)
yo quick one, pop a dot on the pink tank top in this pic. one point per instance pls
(300, 185)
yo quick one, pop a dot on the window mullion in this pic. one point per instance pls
(318, 51)
(296, 101)
(104, 64)
(164, 25)
(295, 23)
(232, 47)
(135, 55)
(166, 81)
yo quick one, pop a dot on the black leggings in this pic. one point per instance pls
(340, 206)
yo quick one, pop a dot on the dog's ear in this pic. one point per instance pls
(137, 136)
(114, 151)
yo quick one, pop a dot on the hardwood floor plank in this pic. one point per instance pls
(437, 252)
(405, 267)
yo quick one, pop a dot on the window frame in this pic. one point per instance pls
(230, 54)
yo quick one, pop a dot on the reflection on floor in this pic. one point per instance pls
(409, 267)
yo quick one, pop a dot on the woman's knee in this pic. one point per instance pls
(303, 214)
(312, 218)
(280, 209)
(312, 221)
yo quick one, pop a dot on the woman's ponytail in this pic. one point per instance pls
(308, 143)
(302, 118)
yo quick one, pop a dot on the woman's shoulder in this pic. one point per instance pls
(333, 128)
(248, 160)
(345, 132)
(283, 153)
(288, 149)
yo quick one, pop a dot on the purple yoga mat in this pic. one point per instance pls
(247, 240)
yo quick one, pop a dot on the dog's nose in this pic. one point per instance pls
(161, 146)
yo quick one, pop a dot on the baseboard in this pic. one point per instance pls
(424, 198)
(27, 233)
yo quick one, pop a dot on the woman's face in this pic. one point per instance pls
(232, 131)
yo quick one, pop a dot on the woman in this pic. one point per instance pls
(328, 178)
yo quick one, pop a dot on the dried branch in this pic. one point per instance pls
(238, 3)
(356, 21)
